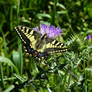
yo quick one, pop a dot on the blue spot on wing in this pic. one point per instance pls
(31, 51)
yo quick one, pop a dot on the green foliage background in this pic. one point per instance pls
(66, 72)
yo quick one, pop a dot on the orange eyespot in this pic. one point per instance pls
(35, 53)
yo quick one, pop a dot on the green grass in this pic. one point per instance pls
(66, 72)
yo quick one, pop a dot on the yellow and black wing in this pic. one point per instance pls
(37, 44)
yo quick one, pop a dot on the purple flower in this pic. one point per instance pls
(49, 30)
(89, 36)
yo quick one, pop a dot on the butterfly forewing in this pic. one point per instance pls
(55, 46)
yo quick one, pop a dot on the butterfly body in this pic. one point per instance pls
(38, 45)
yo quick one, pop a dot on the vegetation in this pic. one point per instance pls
(66, 72)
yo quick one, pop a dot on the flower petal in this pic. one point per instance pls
(50, 30)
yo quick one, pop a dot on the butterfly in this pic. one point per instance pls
(37, 44)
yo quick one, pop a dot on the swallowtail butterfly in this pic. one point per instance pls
(37, 44)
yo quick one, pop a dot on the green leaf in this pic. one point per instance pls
(40, 15)
(8, 62)
(89, 31)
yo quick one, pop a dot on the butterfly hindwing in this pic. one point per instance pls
(37, 44)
